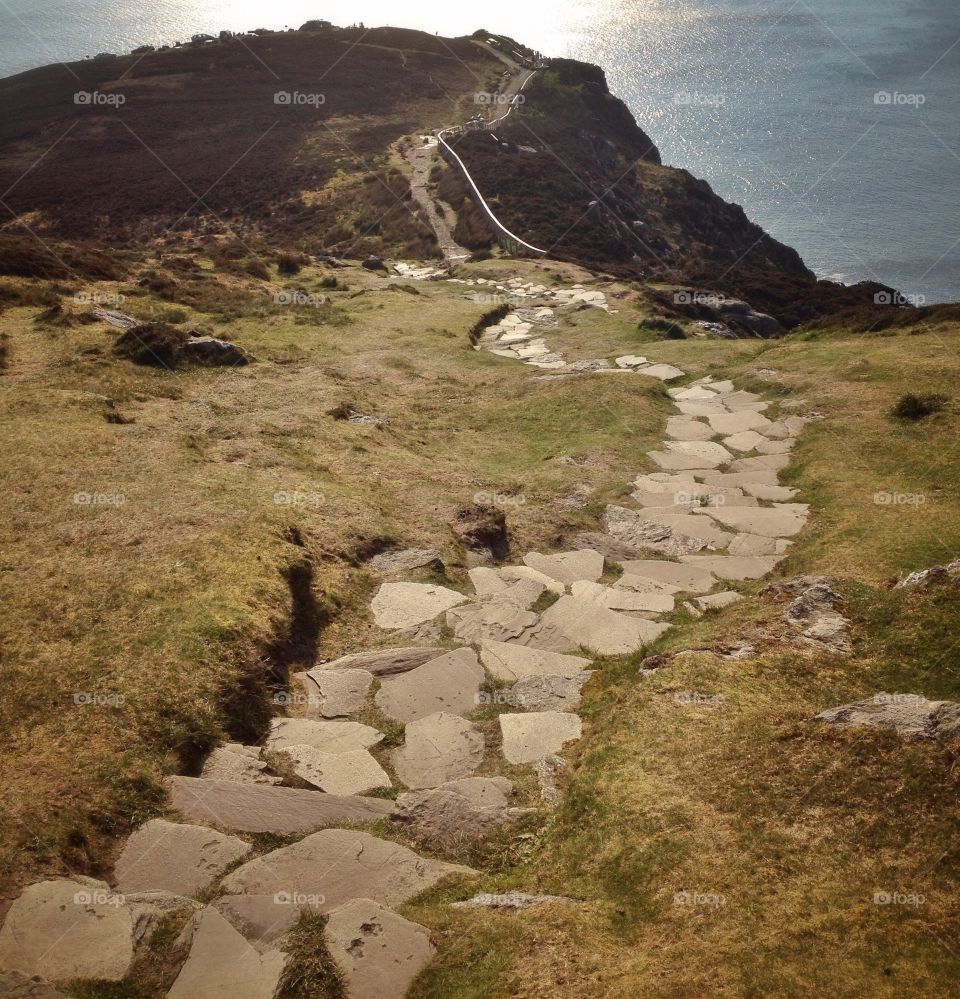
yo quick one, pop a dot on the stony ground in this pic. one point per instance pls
(475, 689)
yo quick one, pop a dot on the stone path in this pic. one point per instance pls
(707, 513)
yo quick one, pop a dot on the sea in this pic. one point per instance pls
(834, 123)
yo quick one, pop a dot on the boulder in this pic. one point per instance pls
(258, 808)
(448, 683)
(910, 715)
(65, 928)
(437, 749)
(222, 965)
(394, 563)
(405, 605)
(211, 351)
(175, 857)
(334, 866)
(378, 952)
(530, 737)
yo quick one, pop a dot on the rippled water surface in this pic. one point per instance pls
(775, 104)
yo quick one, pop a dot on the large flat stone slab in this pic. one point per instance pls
(259, 808)
(222, 965)
(780, 521)
(736, 423)
(624, 599)
(459, 811)
(448, 683)
(511, 662)
(548, 693)
(756, 544)
(686, 576)
(175, 857)
(568, 567)
(742, 480)
(384, 662)
(523, 592)
(639, 533)
(237, 763)
(340, 692)
(761, 462)
(261, 919)
(378, 952)
(514, 573)
(665, 372)
(63, 929)
(353, 772)
(397, 562)
(499, 619)
(734, 566)
(328, 736)
(710, 451)
(745, 441)
(686, 522)
(334, 866)
(437, 749)
(604, 631)
(672, 461)
(682, 428)
(530, 737)
(405, 605)
(779, 494)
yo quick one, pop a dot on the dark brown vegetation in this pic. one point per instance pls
(917, 407)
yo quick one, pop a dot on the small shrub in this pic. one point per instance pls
(154, 344)
(917, 407)
(290, 263)
(481, 255)
(258, 269)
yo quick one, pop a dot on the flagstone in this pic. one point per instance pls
(439, 748)
(448, 683)
(405, 605)
(514, 662)
(604, 631)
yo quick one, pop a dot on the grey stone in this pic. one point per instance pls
(715, 600)
(499, 619)
(175, 857)
(673, 461)
(510, 662)
(378, 952)
(489, 583)
(66, 928)
(328, 736)
(711, 452)
(910, 715)
(568, 567)
(685, 523)
(448, 683)
(681, 428)
(635, 530)
(762, 462)
(765, 491)
(384, 662)
(756, 544)
(459, 811)
(511, 900)
(546, 770)
(530, 737)
(405, 605)
(437, 749)
(222, 964)
(779, 521)
(603, 631)
(261, 919)
(226, 763)
(352, 772)
(258, 808)
(340, 692)
(14, 985)
(548, 693)
(623, 598)
(210, 350)
(736, 423)
(686, 577)
(406, 560)
(734, 567)
(328, 868)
